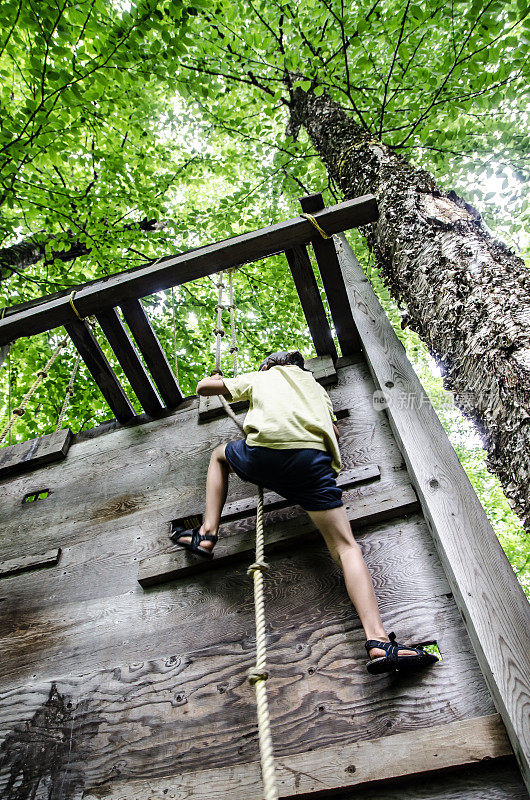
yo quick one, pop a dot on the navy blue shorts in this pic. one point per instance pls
(302, 476)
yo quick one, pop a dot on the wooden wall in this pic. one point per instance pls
(109, 690)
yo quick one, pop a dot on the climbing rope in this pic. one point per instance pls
(68, 393)
(257, 676)
(234, 349)
(175, 357)
(41, 374)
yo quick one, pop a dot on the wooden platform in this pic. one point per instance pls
(115, 678)
(124, 662)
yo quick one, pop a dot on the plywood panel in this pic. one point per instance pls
(154, 716)
(130, 674)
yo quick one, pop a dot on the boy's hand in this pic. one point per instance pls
(337, 434)
(212, 385)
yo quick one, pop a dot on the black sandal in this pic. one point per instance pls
(393, 662)
(196, 539)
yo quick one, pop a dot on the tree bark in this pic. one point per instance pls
(24, 254)
(467, 295)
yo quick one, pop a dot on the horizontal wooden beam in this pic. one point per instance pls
(494, 607)
(311, 302)
(333, 281)
(13, 566)
(35, 453)
(331, 769)
(46, 313)
(129, 359)
(100, 369)
(151, 349)
(386, 503)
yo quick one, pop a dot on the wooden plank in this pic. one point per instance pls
(25, 456)
(323, 371)
(64, 616)
(45, 313)
(454, 744)
(191, 678)
(152, 351)
(177, 563)
(100, 369)
(491, 600)
(330, 272)
(313, 308)
(211, 408)
(127, 355)
(13, 566)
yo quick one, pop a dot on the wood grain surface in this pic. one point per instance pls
(13, 566)
(236, 544)
(440, 747)
(491, 600)
(103, 683)
(35, 453)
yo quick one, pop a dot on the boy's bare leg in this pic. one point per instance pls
(216, 491)
(334, 526)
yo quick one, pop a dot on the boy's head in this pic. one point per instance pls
(283, 359)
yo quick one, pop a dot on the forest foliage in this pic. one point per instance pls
(131, 130)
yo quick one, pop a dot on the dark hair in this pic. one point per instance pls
(284, 359)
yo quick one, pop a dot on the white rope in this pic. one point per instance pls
(219, 330)
(68, 393)
(258, 675)
(233, 344)
(20, 410)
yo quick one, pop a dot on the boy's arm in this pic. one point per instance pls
(337, 434)
(211, 386)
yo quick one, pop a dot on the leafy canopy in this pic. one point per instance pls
(133, 130)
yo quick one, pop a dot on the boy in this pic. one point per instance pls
(291, 447)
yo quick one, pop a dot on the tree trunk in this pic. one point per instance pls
(467, 295)
(27, 252)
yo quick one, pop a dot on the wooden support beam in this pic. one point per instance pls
(234, 546)
(322, 368)
(493, 605)
(25, 456)
(330, 272)
(45, 313)
(129, 359)
(13, 566)
(151, 349)
(313, 308)
(335, 768)
(100, 369)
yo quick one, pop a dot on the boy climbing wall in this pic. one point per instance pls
(291, 448)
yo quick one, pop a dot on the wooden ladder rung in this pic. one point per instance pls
(151, 349)
(129, 359)
(100, 369)
(307, 288)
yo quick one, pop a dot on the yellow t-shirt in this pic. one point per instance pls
(288, 410)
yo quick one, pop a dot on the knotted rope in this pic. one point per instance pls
(258, 674)
(41, 374)
(67, 394)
